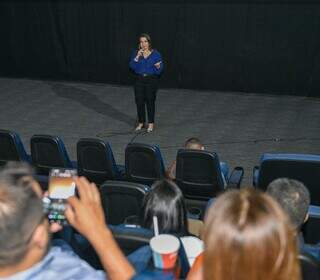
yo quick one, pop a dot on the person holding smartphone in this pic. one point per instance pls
(26, 250)
(147, 64)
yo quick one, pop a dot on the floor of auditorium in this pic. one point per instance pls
(238, 126)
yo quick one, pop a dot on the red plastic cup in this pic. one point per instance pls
(165, 249)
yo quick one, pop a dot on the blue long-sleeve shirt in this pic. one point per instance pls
(59, 263)
(146, 65)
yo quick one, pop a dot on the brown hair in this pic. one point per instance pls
(147, 36)
(248, 237)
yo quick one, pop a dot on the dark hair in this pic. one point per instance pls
(23, 174)
(293, 197)
(248, 236)
(20, 212)
(193, 143)
(147, 36)
(17, 170)
(166, 202)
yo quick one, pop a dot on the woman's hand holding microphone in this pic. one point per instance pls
(140, 53)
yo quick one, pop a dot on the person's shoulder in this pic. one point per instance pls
(59, 263)
(64, 262)
(156, 52)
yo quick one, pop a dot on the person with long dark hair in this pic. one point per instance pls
(166, 202)
(147, 64)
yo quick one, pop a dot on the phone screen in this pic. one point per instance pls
(61, 184)
(61, 187)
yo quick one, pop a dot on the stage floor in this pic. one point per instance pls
(238, 126)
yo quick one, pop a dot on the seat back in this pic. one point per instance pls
(95, 160)
(304, 168)
(129, 238)
(122, 199)
(198, 174)
(309, 267)
(48, 152)
(143, 163)
(311, 228)
(11, 148)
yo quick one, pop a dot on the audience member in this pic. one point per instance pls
(294, 198)
(247, 237)
(194, 143)
(25, 251)
(166, 202)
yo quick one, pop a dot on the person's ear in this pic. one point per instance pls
(40, 236)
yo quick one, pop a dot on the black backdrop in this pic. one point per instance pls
(252, 46)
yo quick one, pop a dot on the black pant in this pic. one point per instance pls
(145, 90)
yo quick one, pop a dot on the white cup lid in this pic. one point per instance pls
(164, 244)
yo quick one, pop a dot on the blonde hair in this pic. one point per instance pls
(248, 237)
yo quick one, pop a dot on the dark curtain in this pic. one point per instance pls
(244, 46)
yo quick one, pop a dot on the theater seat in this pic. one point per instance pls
(96, 161)
(302, 167)
(311, 228)
(143, 163)
(11, 148)
(199, 176)
(49, 152)
(122, 199)
(309, 267)
(131, 238)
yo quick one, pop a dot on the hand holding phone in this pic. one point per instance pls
(85, 212)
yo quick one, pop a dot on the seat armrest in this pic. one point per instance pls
(121, 171)
(74, 164)
(314, 211)
(28, 158)
(235, 178)
(255, 176)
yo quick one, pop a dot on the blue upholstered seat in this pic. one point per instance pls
(311, 228)
(143, 163)
(49, 152)
(302, 167)
(122, 199)
(11, 148)
(96, 161)
(199, 174)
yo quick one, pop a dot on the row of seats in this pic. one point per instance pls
(198, 172)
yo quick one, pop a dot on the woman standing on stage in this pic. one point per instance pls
(147, 65)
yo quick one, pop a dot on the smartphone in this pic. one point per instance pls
(61, 187)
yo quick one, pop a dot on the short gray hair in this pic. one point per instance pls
(293, 197)
(20, 212)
